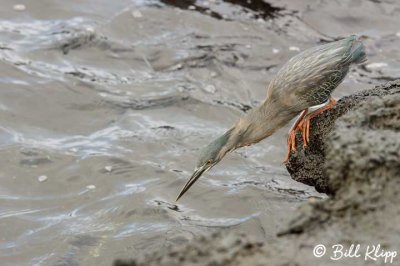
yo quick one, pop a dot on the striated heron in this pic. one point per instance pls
(303, 86)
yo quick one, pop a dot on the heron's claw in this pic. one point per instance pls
(303, 125)
(291, 142)
(305, 128)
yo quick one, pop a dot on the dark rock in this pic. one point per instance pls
(306, 165)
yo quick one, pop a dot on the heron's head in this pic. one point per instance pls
(209, 156)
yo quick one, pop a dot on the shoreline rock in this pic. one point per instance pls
(307, 165)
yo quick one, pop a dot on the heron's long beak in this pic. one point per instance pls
(196, 175)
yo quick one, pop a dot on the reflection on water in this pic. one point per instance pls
(111, 101)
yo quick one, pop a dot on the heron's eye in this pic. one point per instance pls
(209, 161)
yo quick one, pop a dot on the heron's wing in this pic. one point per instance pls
(323, 88)
(311, 76)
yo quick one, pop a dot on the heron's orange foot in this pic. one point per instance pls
(291, 142)
(306, 121)
(305, 130)
(303, 125)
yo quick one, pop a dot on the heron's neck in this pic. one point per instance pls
(260, 123)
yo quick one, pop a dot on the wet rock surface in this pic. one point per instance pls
(217, 249)
(361, 171)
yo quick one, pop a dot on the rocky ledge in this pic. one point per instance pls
(354, 156)
(309, 165)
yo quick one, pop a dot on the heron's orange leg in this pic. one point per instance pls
(305, 123)
(291, 141)
(302, 124)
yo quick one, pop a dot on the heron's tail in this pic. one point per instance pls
(357, 52)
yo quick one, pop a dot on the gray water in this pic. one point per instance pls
(104, 106)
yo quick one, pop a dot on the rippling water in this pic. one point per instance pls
(109, 102)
